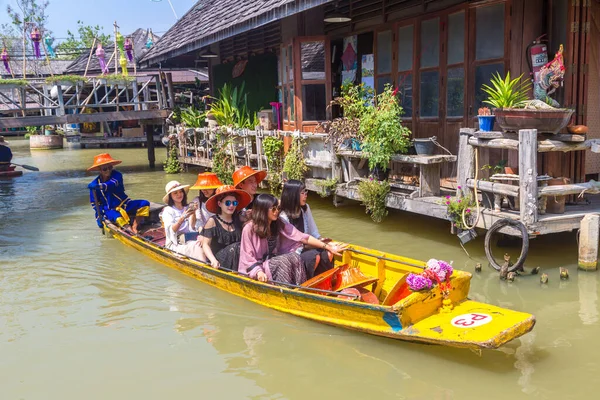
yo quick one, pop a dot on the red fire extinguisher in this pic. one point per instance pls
(537, 56)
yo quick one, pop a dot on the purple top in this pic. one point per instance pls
(254, 248)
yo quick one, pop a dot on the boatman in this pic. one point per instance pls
(107, 194)
(5, 155)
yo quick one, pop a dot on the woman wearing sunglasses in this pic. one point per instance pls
(206, 184)
(295, 210)
(268, 249)
(222, 233)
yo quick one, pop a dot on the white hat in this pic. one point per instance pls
(174, 186)
(3, 142)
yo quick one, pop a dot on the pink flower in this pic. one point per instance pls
(447, 197)
(459, 187)
(459, 200)
(448, 203)
(468, 210)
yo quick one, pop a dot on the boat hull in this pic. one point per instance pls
(398, 321)
(10, 174)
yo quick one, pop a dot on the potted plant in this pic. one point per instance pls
(514, 110)
(486, 119)
(373, 194)
(294, 165)
(382, 131)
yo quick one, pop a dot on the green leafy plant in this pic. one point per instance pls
(192, 117)
(230, 108)
(273, 148)
(117, 78)
(381, 129)
(79, 43)
(373, 194)
(72, 79)
(495, 169)
(17, 82)
(506, 93)
(31, 130)
(326, 186)
(455, 208)
(294, 165)
(172, 166)
(222, 164)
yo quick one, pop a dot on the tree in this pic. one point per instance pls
(74, 46)
(31, 14)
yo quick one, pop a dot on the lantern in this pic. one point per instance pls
(48, 42)
(120, 42)
(123, 62)
(129, 49)
(5, 60)
(100, 54)
(36, 38)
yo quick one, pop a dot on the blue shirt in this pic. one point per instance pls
(5, 154)
(110, 194)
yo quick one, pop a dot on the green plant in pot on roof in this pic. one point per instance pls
(382, 131)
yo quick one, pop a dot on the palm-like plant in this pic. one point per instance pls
(506, 93)
(231, 109)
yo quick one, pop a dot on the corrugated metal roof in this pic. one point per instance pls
(210, 21)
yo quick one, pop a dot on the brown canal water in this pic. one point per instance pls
(84, 317)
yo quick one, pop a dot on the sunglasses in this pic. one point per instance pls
(106, 168)
(231, 203)
(276, 208)
(304, 192)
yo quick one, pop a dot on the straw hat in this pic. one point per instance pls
(352, 277)
(246, 172)
(103, 159)
(3, 142)
(172, 187)
(242, 197)
(206, 180)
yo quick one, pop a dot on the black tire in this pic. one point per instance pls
(524, 247)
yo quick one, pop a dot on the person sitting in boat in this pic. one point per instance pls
(268, 248)
(296, 211)
(179, 219)
(6, 155)
(248, 179)
(206, 184)
(223, 231)
(107, 195)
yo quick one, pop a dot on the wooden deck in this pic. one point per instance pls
(108, 142)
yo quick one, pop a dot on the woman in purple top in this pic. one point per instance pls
(269, 243)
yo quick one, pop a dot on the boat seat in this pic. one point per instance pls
(323, 280)
(398, 292)
(156, 235)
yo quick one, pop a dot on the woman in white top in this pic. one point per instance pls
(207, 183)
(180, 218)
(296, 211)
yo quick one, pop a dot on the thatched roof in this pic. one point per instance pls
(210, 21)
(139, 37)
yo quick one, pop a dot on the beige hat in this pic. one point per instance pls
(3, 142)
(172, 187)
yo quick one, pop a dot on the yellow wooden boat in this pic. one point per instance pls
(401, 314)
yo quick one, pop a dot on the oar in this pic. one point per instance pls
(97, 207)
(29, 167)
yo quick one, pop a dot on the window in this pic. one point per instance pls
(405, 93)
(312, 57)
(456, 38)
(313, 81)
(384, 60)
(313, 102)
(405, 48)
(455, 92)
(430, 94)
(430, 43)
(429, 74)
(483, 74)
(489, 42)
(455, 72)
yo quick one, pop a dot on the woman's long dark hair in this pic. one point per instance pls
(203, 198)
(290, 198)
(183, 202)
(260, 216)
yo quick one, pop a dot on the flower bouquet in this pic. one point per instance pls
(436, 272)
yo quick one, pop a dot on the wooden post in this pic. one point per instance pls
(528, 176)
(163, 87)
(116, 50)
(90, 58)
(589, 235)
(61, 101)
(169, 77)
(159, 91)
(24, 46)
(150, 144)
(466, 160)
(136, 97)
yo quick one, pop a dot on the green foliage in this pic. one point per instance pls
(172, 166)
(230, 108)
(65, 78)
(273, 148)
(192, 117)
(75, 45)
(455, 208)
(31, 130)
(294, 165)
(117, 78)
(381, 129)
(222, 164)
(326, 186)
(506, 93)
(373, 194)
(354, 101)
(495, 169)
(18, 82)
(30, 14)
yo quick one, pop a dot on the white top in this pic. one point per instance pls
(170, 215)
(202, 214)
(310, 226)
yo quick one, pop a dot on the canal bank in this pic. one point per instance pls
(80, 311)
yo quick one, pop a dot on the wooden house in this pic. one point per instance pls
(437, 52)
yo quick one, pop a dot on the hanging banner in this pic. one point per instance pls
(349, 59)
(368, 71)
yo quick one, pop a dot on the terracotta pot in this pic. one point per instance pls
(511, 170)
(556, 204)
(577, 129)
(545, 121)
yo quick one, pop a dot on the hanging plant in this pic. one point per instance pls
(172, 166)
(373, 194)
(326, 186)
(273, 148)
(294, 165)
(222, 165)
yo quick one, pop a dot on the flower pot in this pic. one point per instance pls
(356, 145)
(556, 204)
(546, 121)
(486, 122)
(49, 132)
(425, 146)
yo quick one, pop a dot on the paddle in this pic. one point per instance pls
(29, 167)
(97, 207)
